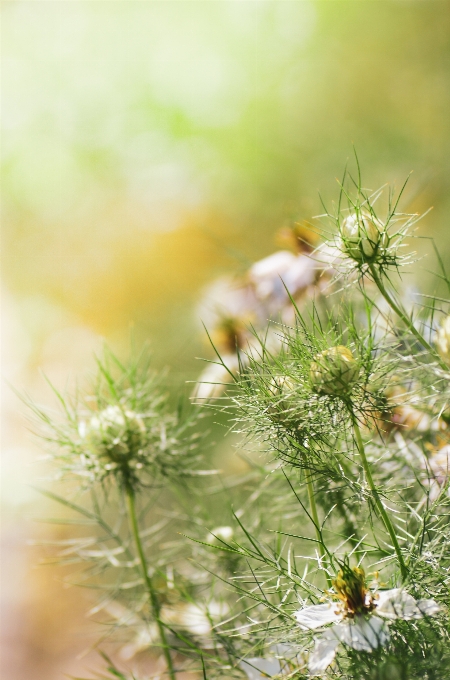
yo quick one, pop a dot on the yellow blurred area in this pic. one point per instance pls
(150, 147)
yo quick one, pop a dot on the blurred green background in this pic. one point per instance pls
(149, 147)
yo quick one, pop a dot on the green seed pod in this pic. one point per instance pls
(443, 340)
(283, 408)
(361, 237)
(334, 371)
(116, 434)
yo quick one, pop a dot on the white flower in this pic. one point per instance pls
(439, 466)
(361, 631)
(258, 668)
(443, 340)
(219, 534)
(146, 634)
(214, 379)
(194, 618)
(272, 275)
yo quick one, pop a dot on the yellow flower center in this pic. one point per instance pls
(352, 592)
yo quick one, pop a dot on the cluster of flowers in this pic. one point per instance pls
(351, 402)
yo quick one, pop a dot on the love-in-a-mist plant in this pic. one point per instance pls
(330, 554)
(355, 400)
(121, 455)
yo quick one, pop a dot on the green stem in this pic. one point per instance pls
(376, 497)
(403, 316)
(148, 581)
(315, 519)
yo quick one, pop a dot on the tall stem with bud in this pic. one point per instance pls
(376, 496)
(154, 604)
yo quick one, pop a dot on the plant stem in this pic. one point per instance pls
(376, 497)
(403, 316)
(148, 581)
(315, 518)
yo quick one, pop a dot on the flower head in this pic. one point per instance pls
(334, 371)
(358, 616)
(122, 429)
(116, 434)
(362, 235)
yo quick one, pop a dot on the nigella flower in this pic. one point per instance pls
(438, 464)
(443, 340)
(280, 271)
(358, 616)
(282, 660)
(258, 668)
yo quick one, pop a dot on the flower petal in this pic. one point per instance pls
(258, 668)
(397, 604)
(317, 615)
(428, 607)
(323, 654)
(363, 634)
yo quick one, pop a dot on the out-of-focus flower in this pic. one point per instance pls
(297, 237)
(193, 618)
(358, 617)
(145, 636)
(229, 298)
(116, 434)
(334, 371)
(443, 340)
(409, 418)
(437, 467)
(220, 534)
(282, 660)
(400, 411)
(214, 379)
(283, 271)
(258, 668)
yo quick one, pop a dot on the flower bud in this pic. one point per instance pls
(361, 237)
(443, 340)
(334, 371)
(282, 409)
(116, 434)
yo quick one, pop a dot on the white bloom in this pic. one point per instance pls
(214, 379)
(438, 464)
(220, 534)
(272, 275)
(258, 668)
(229, 298)
(146, 634)
(194, 618)
(363, 632)
(443, 340)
